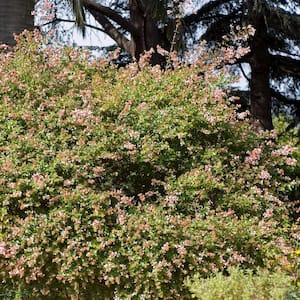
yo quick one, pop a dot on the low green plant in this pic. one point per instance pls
(123, 182)
(238, 284)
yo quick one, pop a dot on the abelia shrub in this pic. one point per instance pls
(123, 182)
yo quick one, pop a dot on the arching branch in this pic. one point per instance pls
(97, 8)
(112, 31)
(286, 64)
(243, 72)
(56, 20)
(283, 99)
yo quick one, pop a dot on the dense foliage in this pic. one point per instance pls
(124, 182)
(247, 286)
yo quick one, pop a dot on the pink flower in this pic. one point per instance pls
(162, 51)
(134, 134)
(268, 213)
(251, 30)
(3, 250)
(242, 115)
(45, 292)
(165, 248)
(7, 167)
(219, 94)
(98, 170)
(291, 161)
(171, 200)
(115, 54)
(253, 156)
(125, 109)
(181, 250)
(38, 180)
(142, 106)
(257, 190)
(286, 150)
(129, 146)
(81, 115)
(264, 175)
(141, 197)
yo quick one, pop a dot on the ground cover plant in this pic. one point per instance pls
(125, 182)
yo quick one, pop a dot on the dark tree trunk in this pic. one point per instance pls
(147, 34)
(153, 38)
(141, 25)
(15, 16)
(260, 93)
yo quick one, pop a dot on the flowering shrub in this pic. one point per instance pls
(123, 182)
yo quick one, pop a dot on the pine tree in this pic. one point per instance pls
(274, 60)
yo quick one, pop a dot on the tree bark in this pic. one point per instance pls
(146, 35)
(142, 27)
(15, 16)
(138, 35)
(260, 93)
(112, 31)
(153, 38)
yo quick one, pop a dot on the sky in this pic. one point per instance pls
(92, 38)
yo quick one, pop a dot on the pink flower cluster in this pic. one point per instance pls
(81, 115)
(284, 151)
(3, 250)
(253, 156)
(38, 180)
(265, 175)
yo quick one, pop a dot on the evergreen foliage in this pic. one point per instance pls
(276, 24)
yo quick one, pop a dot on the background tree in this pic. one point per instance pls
(15, 16)
(274, 60)
(137, 26)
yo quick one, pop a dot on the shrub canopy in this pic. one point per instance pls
(122, 182)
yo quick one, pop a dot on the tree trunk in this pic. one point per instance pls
(138, 36)
(142, 26)
(15, 16)
(154, 38)
(147, 34)
(260, 93)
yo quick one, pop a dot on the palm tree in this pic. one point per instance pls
(15, 16)
(135, 25)
(272, 58)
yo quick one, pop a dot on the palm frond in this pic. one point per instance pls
(79, 13)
